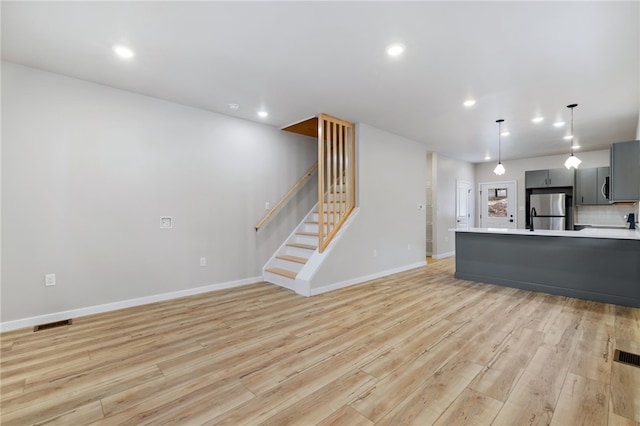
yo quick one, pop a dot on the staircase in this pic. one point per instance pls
(294, 255)
(300, 256)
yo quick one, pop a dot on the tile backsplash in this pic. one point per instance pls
(612, 215)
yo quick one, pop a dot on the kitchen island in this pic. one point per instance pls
(594, 264)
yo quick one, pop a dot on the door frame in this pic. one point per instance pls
(502, 182)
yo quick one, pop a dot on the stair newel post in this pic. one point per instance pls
(334, 163)
(338, 193)
(321, 179)
(351, 167)
(325, 195)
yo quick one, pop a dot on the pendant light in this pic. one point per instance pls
(572, 161)
(499, 170)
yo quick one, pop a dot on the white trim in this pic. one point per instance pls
(336, 286)
(74, 313)
(444, 255)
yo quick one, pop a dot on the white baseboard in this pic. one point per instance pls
(81, 312)
(444, 255)
(336, 286)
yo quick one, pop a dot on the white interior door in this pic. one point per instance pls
(498, 202)
(463, 204)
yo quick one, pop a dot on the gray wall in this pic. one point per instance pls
(391, 173)
(446, 171)
(88, 170)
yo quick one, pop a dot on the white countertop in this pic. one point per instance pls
(618, 234)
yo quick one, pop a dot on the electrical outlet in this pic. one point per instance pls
(203, 261)
(49, 280)
(267, 205)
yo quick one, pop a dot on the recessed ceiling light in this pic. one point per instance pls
(505, 133)
(568, 137)
(395, 50)
(469, 103)
(263, 114)
(537, 119)
(487, 157)
(234, 107)
(123, 51)
(558, 124)
(576, 146)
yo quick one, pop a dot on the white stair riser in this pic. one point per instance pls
(337, 205)
(280, 280)
(306, 239)
(289, 265)
(316, 216)
(307, 227)
(295, 251)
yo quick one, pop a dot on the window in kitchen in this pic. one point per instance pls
(497, 203)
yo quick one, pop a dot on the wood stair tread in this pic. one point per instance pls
(290, 258)
(303, 246)
(283, 272)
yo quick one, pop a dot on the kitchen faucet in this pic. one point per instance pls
(533, 213)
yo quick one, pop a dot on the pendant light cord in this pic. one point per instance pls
(499, 140)
(499, 170)
(571, 107)
(572, 135)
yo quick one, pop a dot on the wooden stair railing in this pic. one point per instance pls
(336, 171)
(336, 176)
(287, 196)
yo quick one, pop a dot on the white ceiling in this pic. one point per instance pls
(296, 59)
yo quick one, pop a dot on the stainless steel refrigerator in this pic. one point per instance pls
(548, 211)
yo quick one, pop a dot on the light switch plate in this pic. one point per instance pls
(49, 280)
(166, 222)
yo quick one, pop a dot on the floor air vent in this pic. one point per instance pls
(627, 358)
(52, 325)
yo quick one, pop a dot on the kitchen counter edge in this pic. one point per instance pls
(617, 234)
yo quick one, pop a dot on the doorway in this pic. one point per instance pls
(498, 202)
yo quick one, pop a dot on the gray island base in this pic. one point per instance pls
(601, 269)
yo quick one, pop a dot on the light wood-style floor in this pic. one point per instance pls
(416, 348)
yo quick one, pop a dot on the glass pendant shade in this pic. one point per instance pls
(499, 170)
(572, 161)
